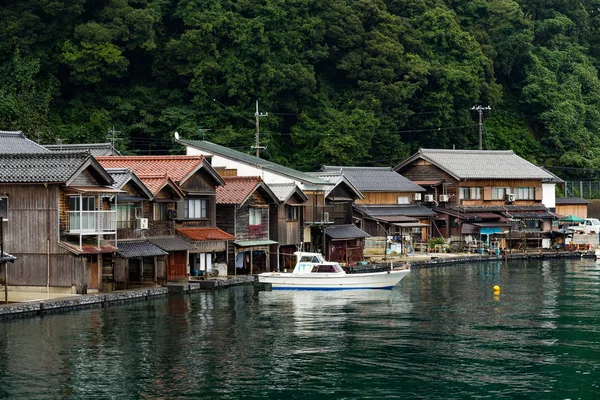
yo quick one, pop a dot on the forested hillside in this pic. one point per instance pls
(362, 82)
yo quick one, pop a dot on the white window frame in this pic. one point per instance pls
(255, 216)
(476, 192)
(525, 193)
(196, 208)
(403, 200)
(5, 218)
(463, 190)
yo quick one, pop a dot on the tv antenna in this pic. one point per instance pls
(257, 145)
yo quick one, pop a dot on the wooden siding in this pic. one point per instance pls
(421, 170)
(383, 197)
(85, 179)
(579, 210)
(225, 172)
(283, 231)
(201, 182)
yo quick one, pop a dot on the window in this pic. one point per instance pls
(87, 203)
(3, 208)
(291, 213)
(195, 208)
(161, 211)
(255, 216)
(525, 193)
(126, 214)
(470, 193)
(498, 193)
(403, 199)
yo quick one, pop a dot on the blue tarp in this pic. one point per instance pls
(490, 231)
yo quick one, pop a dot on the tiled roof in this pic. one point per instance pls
(122, 176)
(205, 234)
(373, 179)
(171, 243)
(253, 161)
(502, 208)
(408, 210)
(571, 200)
(89, 246)
(345, 232)
(15, 142)
(138, 248)
(336, 180)
(95, 149)
(6, 257)
(237, 189)
(40, 168)
(175, 167)
(480, 164)
(284, 191)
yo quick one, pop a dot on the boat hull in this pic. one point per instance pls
(311, 281)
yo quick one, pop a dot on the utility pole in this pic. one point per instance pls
(257, 145)
(480, 109)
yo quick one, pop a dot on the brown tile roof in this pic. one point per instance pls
(175, 167)
(237, 189)
(205, 234)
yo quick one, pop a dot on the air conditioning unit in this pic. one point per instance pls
(142, 223)
(325, 216)
(417, 197)
(510, 197)
(444, 198)
(429, 198)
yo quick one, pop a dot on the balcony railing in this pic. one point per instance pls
(92, 222)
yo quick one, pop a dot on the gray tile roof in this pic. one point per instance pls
(122, 176)
(345, 232)
(171, 243)
(373, 179)
(15, 142)
(138, 248)
(253, 161)
(283, 191)
(334, 180)
(6, 257)
(407, 210)
(40, 168)
(480, 164)
(95, 149)
(571, 200)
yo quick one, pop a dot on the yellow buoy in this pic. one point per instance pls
(496, 289)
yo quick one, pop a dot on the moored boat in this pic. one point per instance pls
(312, 272)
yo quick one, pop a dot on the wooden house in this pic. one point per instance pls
(320, 210)
(57, 217)
(392, 206)
(286, 224)
(182, 211)
(482, 193)
(572, 206)
(244, 206)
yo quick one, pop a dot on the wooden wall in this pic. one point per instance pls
(383, 197)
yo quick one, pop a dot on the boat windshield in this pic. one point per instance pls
(311, 259)
(325, 269)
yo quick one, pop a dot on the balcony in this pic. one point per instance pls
(92, 222)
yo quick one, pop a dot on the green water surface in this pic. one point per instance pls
(441, 334)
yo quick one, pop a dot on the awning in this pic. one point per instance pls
(171, 243)
(94, 189)
(481, 227)
(345, 232)
(138, 248)
(411, 225)
(490, 231)
(5, 257)
(88, 247)
(205, 234)
(530, 215)
(254, 243)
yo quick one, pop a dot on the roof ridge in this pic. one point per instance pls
(173, 157)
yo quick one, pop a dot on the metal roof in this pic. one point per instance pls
(45, 167)
(171, 243)
(138, 248)
(252, 161)
(12, 142)
(284, 191)
(95, 149)
(373, 179)
(408, 210)
(345, 232)
(480, 164)
(570, 200)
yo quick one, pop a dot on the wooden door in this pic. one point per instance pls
(177, 265)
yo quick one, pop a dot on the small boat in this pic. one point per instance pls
(312, 272)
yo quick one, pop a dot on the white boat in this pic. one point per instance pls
(312, 272)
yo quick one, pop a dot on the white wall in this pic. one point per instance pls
(549, 195)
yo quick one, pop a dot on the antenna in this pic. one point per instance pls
(480, 110)
(113, 137)
(257, 145)
(60, 142)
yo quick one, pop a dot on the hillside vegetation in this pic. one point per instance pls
(363, 82)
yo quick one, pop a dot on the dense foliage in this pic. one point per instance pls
(363, 82)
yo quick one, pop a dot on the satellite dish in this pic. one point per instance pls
(176, 135)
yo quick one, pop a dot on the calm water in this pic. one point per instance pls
(440, 334)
